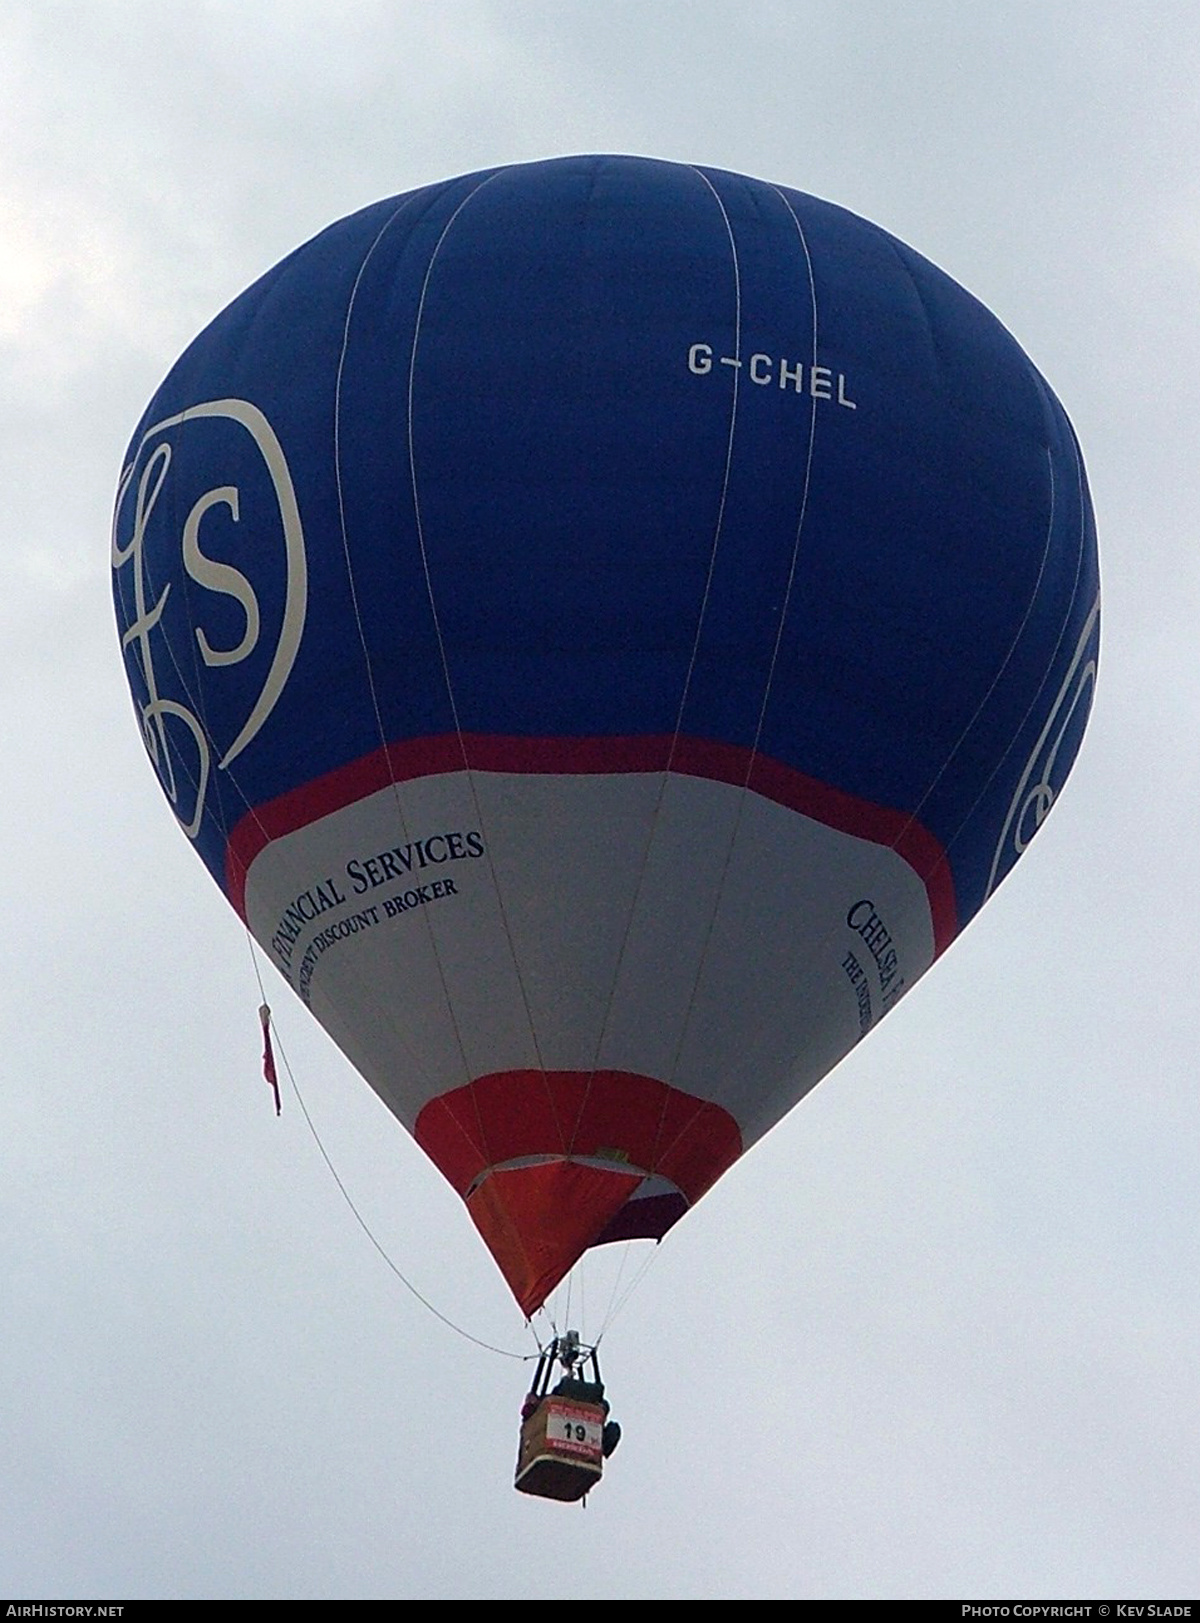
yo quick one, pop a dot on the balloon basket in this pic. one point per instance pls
(560, 1455)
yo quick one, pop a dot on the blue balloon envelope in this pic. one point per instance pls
(606, 625)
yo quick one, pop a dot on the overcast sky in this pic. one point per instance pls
(937, 1335)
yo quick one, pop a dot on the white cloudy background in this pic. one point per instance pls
(939, 1334)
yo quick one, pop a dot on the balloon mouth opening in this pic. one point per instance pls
(653, 1206)
(552, 1162)
(602, 1161)
(539, 1218)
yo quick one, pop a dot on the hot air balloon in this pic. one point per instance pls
(606, 625)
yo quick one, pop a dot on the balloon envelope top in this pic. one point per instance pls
(606, 625)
